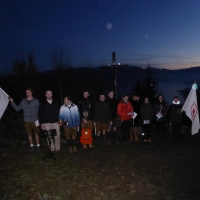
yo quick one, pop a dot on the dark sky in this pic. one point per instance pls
(165, 33)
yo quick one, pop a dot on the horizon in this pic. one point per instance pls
(164, 34)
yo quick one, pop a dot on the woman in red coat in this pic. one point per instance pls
(125, 111)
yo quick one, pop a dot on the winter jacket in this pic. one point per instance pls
(113, 107)
(70, 114)
(146, 111)
(123, 109)
(30, 109)
(49, 112)
(102, 112)
(86, 104)
(175, 115)
(160, 109)
(136, 106)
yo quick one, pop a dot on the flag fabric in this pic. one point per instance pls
(191, 109)
(3, 102)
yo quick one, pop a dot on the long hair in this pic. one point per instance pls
(163, 103)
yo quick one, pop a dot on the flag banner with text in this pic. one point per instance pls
(191, 109)
(3, 102)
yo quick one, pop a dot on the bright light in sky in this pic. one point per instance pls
(108, 26)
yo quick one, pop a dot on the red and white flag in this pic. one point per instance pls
(3, 102)
(191, 108)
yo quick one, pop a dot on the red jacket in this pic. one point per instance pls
(123, 109)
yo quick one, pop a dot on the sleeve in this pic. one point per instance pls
(142, 112)
(61, 117)
(41, 111)
(152, 112)
(19, 107)
(94, 116)
(79, 106)
(78, 115)
(119, 110)
(109, 113)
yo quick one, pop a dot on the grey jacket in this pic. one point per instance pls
(30, 110)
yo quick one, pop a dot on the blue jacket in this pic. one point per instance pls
(70, 114)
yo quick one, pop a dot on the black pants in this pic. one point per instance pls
(161, 129)
(146, 129)
(125, 129)
(176, 130)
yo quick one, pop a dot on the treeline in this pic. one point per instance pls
(64, 79)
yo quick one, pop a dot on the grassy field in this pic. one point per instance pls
(137, 171)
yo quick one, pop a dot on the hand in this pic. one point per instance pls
(10, 99)
(85, 121)
(42, 126)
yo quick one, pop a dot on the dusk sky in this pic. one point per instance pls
(165, 33)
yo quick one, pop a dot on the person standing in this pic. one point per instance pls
(125, 111)
(112, 102)
(135, 102)
(70, 119)
(146, 112)
(175, 117)
(102, 117)
(30, 107)
(160, 111)
(48, 118)
(85, 106)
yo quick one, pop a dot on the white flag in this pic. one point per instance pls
(3, 102)
(191, 108)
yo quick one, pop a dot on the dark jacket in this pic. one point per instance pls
(86, 104)
(162, 109)
(113, 107)
(49, 112)
(136, 106)
(146, 111)
(175, 115)
(102, 112)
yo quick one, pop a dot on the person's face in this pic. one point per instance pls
(111, 95)
(102, 98)
(125, 99)
(29, 93)
(86, 94)
(135, 98)
(176, 100)
(146, 100)
(66, 101)
(160, 98)
(48, 94)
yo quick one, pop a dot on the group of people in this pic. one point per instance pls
(101, 117)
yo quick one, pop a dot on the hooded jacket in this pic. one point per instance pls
(175, 115)
(70, 114)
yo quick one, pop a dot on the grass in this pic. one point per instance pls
(136, 171)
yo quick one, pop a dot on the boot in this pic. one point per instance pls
(91, 146)
(75, 150)
(136, 138)
(84, 146)
(131, 137)
(70, 150)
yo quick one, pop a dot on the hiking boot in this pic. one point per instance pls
(70, 150)
(31, 149)
(75, 150)
(145, 140)
(149, 140)
(131, 137)
(91, 146)
(84, 146)
(38, 149)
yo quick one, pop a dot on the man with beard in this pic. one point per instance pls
(48, 117)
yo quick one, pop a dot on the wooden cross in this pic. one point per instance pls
(114, 66)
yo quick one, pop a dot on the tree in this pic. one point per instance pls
(60, 63)
(150, 88)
